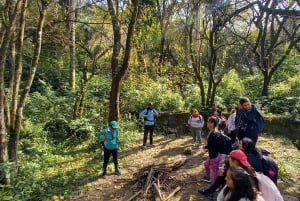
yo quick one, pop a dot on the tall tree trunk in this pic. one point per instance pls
(72, 40)
(118, 72)
(15, 135)
(11, 10)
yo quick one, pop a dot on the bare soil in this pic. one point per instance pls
(169, 149)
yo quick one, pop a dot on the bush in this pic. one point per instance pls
(58, 129)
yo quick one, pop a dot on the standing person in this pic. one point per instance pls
(213, 160)
(221, 120)
(196, 123)
(238, 187)
(149, 116)
(110, 146)
(231, 124)
(249, 116)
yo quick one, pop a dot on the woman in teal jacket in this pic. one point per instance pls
(110, 147)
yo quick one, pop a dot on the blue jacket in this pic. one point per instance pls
(110, 138)
(148, 117)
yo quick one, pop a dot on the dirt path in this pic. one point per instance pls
(132, 161)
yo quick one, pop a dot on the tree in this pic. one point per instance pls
(14, 110)
(118, 70)
(273, 31)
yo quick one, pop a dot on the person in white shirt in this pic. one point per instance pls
(196, 123)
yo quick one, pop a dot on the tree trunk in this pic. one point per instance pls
(14, 137)
(118, 72)
(7, 28)
(72, 40)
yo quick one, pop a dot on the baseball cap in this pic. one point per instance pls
(114, 124)
(240, 156)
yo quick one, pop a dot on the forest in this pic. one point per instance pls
(68, 67)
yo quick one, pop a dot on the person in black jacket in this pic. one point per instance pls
(253, 155)
(248, 115)
(213, 160)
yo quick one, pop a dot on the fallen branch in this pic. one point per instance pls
(134, 196)
(173, 193)
(157, 191)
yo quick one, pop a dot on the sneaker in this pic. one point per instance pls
(206, 194)
(152, 145)
(103, 176)
(205, 179)
(117, 172)
(144, 147)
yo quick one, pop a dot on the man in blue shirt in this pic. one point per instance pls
(149, 115)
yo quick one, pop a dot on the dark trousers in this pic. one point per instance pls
(148, 129)
(107, 153)
(220, 181)
(253, 136)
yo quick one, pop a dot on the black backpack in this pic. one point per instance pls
(225, 145)
(270, 168)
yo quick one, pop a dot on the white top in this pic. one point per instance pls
(231, 121)
(196, 122)
(222, 198)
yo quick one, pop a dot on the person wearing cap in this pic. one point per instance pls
(148, 115)
(237, 158)
(110, 147)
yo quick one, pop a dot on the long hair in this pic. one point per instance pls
(242, 186)
(249, 147)
(250, 170)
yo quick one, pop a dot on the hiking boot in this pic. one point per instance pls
(205, 179)
(206, 193)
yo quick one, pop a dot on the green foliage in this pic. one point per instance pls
(135, 96)
(44, 105)
(230, 89)
(253, 86)
(191, 94)
(58, 129)
(82, 129)
(284, 96)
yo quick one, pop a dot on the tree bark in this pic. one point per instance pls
(72, 40)
(118, 72)
(11, 10)
(14, 136)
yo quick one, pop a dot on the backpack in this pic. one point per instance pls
(270, 168)
(145, 118)
(260, 121)
(225, 146)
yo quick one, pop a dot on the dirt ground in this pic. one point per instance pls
(166, 150)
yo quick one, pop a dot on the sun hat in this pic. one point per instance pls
(240, 156)
(114, 124)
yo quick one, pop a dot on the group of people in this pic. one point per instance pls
(241, 176)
